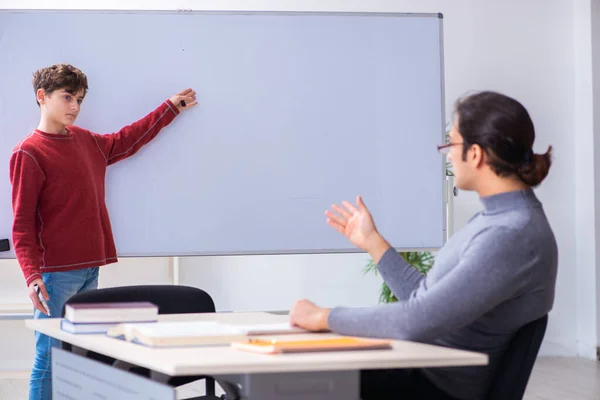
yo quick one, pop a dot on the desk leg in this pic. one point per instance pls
(326, 385)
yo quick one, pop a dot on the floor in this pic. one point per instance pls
(552, 379)
(564, 378)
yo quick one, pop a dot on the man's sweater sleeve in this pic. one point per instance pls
(486, 275)
(127, 141)
(399, 275)
(27, 178)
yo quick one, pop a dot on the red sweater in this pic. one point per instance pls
(60, 218)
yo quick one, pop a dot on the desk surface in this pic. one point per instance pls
(215, 360)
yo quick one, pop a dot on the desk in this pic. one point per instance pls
(259, 375)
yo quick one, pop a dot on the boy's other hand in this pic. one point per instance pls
(187, 95)
(34, 296)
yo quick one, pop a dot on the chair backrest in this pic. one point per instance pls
(170, 299)
(516, 365)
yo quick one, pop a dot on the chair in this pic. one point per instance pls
(516, 364)
(170, 299)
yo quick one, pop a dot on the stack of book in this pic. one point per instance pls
(98, 318)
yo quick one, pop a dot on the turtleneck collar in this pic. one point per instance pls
(509, 200)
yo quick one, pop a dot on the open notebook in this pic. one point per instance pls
(195, 333)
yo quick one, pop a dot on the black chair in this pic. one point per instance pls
(170, 299)
(516, 365)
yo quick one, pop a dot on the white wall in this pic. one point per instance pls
(595, 292)
(538, 51)
(585, 179)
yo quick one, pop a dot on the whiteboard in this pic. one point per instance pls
(297, 111)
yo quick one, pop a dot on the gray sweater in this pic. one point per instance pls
(491, 278)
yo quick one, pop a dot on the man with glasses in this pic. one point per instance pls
(491, 278)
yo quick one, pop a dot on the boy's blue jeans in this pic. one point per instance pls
(60, 286)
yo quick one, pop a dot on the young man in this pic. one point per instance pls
(493, 276)
(61, 228)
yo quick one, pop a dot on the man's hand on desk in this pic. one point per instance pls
(308, 315)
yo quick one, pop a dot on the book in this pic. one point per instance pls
(88, 328)
(111, 312)
(310, 345)
(194, 333)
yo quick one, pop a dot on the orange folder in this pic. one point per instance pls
(266, 346)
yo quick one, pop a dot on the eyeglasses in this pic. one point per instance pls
(445, 148)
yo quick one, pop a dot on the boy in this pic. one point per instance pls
(61, 228)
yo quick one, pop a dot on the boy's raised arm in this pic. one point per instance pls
(127, 141)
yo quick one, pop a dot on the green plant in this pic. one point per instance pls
(422, 261)
(449, 171)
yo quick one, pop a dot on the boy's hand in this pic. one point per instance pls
(188, 96)
(34, 296)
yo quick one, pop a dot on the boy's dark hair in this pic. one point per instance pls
(505, 132)
(60, 76)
